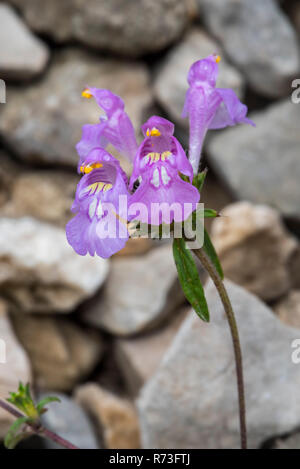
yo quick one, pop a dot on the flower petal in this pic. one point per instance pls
(117, 126)
(166, 203)
(92, 137)
(230, 111)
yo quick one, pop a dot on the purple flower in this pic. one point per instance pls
(209, 107)
(159, 160)
(160, 166)
(115, 128)
(100, 224)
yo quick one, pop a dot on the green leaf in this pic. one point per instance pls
(40, 406)
(189, 278)
(22, 400)
(211, 252)
(13, 437)
(199, 179)
(210, 213)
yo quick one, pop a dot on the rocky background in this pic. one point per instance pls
(133, 365)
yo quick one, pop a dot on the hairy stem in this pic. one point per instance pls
(37, 427)
(210, 268)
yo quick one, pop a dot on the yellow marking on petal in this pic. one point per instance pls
(86, 93)
(148, 133)
(89, 168)
(107, 187)
(217, 59)
(155, 132)
(156, 157)
(165, 155)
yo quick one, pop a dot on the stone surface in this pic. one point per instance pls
(254, 248)
(14, 366)
(214, 195)
(246, 29)
(139, 357)
(115, 417)
(191, 401)
(61, 353)
(22, 55)
(140, 293)
(288, 308)
(261, 164)
(111, 26)
(135, 246)
(42, 122)
(69, 421)
(40, 272)
(290, 442)
(46, 195)
(171, 80)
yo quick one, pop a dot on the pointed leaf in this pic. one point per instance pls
(189, 278)
(12, 437)
(199, 179)
(40, 406)
(210, 213)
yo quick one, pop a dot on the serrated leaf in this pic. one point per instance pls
(40, 406)
(211, 252)
(189, 278)
(12, 437)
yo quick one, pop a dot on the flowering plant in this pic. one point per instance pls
(164, 189)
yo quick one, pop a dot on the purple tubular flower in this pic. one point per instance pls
(209, 107)
(100, 224)
(115, 128)
(159, 160)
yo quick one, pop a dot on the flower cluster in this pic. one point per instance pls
(162, 173)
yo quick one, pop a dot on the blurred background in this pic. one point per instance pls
(115, 339)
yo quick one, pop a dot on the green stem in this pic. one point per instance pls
(210, 268)
(37, 427)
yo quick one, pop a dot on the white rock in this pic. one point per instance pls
(22, 55)
(191, 401)
(140, 293)
(40, 272)
(255, 249)
(14, 366)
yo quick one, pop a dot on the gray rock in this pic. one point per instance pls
(69, 421)
(171, 80)
(14, 366)
(139, 295)
(255, 249)
(40, 272)
(289, 442)
(139, 357)
(42, 122)
(111, 26)
(191, 402)
(261, 164)
(259, 40)
(43, 194)
(115, 417)
(288, 308)
(61, 353)
(22, 56)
